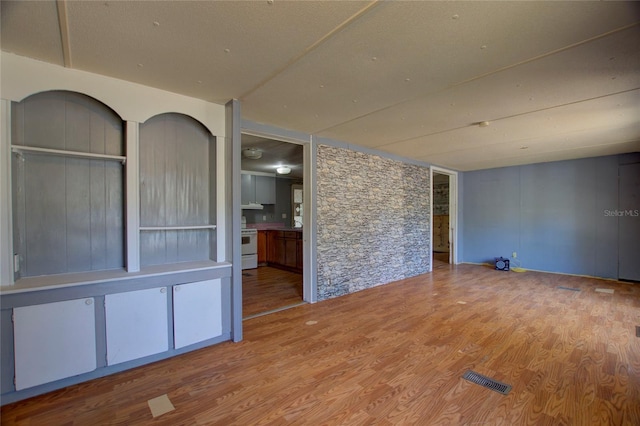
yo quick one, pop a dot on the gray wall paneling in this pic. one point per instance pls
(177, 159)
(551, 214)
(7, 366)
(68, 212)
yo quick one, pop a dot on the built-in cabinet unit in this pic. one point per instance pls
(258, 189)
(177, 197)
(75, 310)
(142, 318)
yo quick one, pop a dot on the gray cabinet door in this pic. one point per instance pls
(248, 189)
(265, 189)
(629, 223)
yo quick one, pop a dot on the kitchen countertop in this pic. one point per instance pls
(261, 227)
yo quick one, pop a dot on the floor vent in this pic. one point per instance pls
(568, 288)
(637, 330)
(488, 383)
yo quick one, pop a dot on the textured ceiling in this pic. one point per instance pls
(555, 80)
(274, 154)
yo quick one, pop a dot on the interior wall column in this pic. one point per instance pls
(132, 176)
(6, 239)
(233, 143)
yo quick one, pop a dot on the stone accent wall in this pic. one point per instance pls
(373, 221)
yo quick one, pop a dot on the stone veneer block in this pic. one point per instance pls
(373, 221)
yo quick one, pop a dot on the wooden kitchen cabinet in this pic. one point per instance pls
(299, 258)
(284, 250)
(262, 247)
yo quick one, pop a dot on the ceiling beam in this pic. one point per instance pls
(64, 31)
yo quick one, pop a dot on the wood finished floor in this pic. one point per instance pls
(441, 256)
(394, 355)
(265, 289)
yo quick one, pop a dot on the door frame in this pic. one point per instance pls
(453, 213)
(308, 276)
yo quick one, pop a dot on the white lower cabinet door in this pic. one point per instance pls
(54, 341)
(136, 324)
(197, 312)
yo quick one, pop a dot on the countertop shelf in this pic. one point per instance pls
(48, 282)
(277, 229)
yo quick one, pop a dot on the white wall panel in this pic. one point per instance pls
(54, 341)
(136, 324)
(197, 312)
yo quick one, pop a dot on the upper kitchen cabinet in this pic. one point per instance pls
(257, 188)
(177, 190)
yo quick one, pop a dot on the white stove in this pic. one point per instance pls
(249, 248)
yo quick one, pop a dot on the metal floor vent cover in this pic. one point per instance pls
(568, 288)
(487, 382)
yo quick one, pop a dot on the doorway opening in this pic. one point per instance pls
(441, 240)
(272, 217)
(443, 216)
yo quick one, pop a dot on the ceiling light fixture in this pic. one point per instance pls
(283, 170)
(483, 123)
(252, 153)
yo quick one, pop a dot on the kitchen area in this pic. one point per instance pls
(272, 218)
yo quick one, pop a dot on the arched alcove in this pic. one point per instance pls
(177, 190)
(67, 184)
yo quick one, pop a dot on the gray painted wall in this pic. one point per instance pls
(272, 213)
(551, 214)
(372, 221)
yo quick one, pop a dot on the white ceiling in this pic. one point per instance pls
(556, 80)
